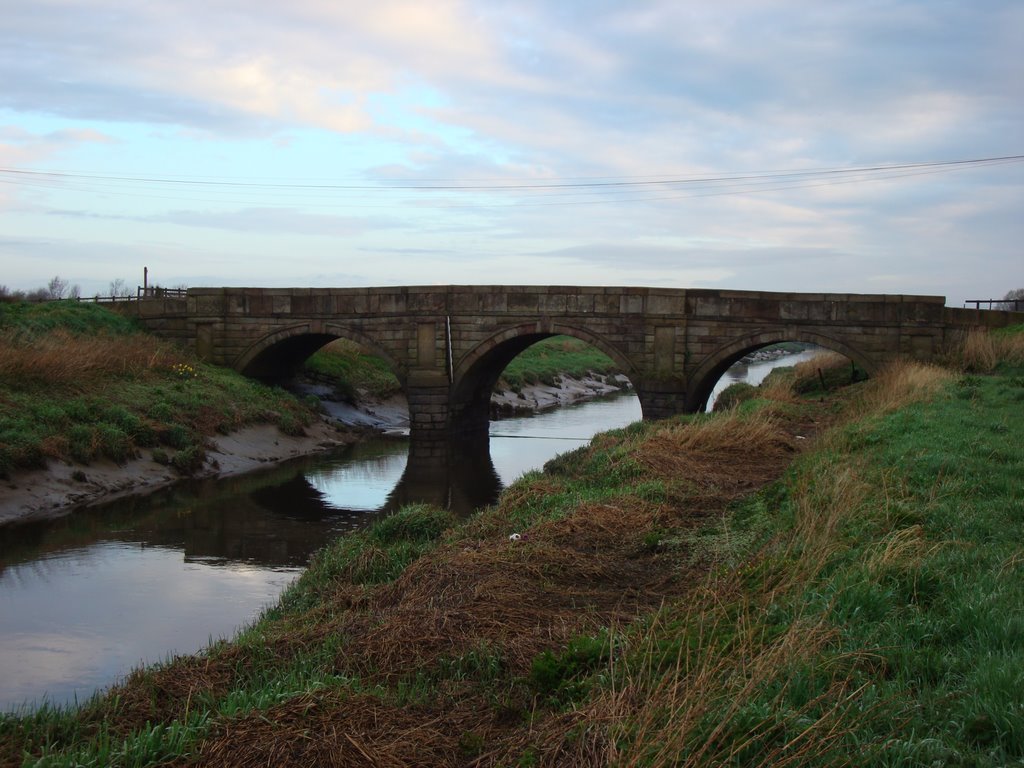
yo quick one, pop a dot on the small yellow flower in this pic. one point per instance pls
(184, 371)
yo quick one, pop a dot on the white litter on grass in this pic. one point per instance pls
(514, 537)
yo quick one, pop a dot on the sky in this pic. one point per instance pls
(774, 145)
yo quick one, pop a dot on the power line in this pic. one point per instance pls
(623, 181)
(576, 191)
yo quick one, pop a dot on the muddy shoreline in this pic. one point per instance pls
(63, 487)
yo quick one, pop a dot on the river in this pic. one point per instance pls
(87, 597)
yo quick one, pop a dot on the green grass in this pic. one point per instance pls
(544, 361)
(80, 383)
(865, 608)
(354, 372)
(77, 317)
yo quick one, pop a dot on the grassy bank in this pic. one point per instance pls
(357, 374)
(543, 362)
(80, 383)
(354, 373)
(791, 582)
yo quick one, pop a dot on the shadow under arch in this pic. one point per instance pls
(278, 355)
(479, 369)
(703, 380)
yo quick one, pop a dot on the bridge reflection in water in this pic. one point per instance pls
(275, 518)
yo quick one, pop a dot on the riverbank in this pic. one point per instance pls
(61, 487)
(389, 414)
(91, 408)
(706, 590)
(357, 389)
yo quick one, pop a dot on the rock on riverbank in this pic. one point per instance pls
(566, 391)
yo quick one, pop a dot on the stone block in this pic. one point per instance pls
(523, 302)
(794, 310)
(494, 301)
(352, 304)
(553, 303)
(707, 306)
(428, 301)
(662, 304)
(631, 304)
(580, 302)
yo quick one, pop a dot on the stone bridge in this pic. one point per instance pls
(449, 344)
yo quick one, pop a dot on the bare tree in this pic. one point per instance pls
(56, 288)
(119, 288)
(1013, 300)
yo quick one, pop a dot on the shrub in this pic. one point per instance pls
(562, 676)
(416, 523)
(189, 460)
(734, 394)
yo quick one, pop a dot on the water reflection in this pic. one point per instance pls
(86, 597)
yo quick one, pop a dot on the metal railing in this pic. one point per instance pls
(1013, 305)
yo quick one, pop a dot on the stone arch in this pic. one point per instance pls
(703, 380)
(278, 354)
(476, 373)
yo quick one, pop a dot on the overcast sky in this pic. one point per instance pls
(744, 144)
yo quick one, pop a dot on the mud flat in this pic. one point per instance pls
(63, 487)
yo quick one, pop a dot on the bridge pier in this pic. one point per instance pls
(661, 398)
(428, 393)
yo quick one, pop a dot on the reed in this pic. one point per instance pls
(981, 350)
(72, 361)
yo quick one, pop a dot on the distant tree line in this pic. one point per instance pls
(59, 288)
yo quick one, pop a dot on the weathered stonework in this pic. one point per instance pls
(449, 344)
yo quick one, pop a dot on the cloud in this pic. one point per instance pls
(517, 91)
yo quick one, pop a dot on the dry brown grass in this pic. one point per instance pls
(729, 659)
(980, 351)
(563, 578)
(786, 388)
(688, 713)
(335, 729)
(1010, 348)
(779, 389)
(726, 456)
(898, 385)
(823, 500)
(977, 352)
(64, 359)
(587, 569)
